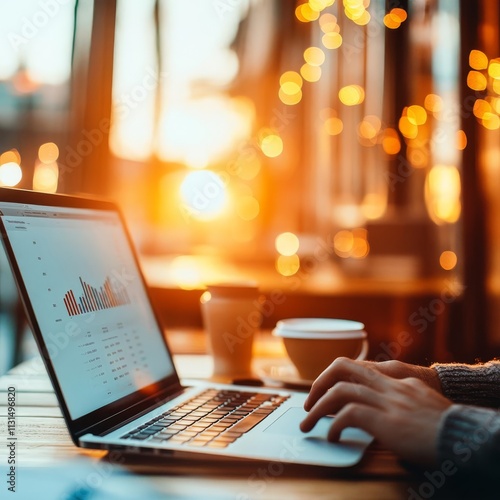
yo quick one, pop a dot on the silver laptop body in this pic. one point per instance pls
(106, 355)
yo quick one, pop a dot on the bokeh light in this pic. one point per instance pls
(491, 121)
(328, 23)
(390, 141)
(448, 260)
(310, 73)
(332, 40)
(333, 125)
(48, 152)
(46, 177)
(203, 194)
(416, 115)
(314, 56)
(10, 174)
(476, 80)
(271, 145)
(287, 244)
(478, 60)
(494, 69)
(247, 207)
(288, 265)
(442, 193)
(433, 103)
(461, 140)
(369, 127)
(351, 95)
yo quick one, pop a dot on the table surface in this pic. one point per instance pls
(43, 441)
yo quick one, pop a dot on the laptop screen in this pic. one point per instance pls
(89, 301)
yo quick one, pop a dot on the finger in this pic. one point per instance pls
(335, 372)
(339, 396)
(345, 369)
(357, 415)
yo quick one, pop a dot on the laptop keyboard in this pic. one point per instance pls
(213, 418)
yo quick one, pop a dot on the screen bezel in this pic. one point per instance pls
(123, 409)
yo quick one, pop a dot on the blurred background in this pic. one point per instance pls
(344, 154)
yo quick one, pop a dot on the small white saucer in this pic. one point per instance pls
(283, 375)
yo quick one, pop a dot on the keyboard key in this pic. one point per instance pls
(218, 444)
(214, 417)
(249, 422)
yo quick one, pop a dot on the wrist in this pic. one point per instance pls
(431, 378)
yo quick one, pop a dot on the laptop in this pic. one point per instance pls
(105, 352)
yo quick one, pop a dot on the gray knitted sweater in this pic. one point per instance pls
(469, 435)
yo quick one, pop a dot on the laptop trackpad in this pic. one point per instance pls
(289, 422)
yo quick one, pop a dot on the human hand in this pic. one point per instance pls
(392, 368)
(402, 414)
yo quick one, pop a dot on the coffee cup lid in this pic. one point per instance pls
(319, 328)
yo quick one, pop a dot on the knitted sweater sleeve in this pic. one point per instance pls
(469, 437)
(477, 385)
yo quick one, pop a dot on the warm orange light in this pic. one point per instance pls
(476, 80)
(417, 156)
(496, 86)
(391, 22)
(287, 265)
(369, 127)
(314, 56)
(290, 92)
(46, 177)
(196, 132)
(442, 193)
(290, 100)
(203, 194)
(399, 14)
(333, 125)
(494, 69)
(287, 244)
(291, 77)
(187, 273)
(461, 140)
(480, 108)
(305, 13)
(290, 88)
(494, 103)
(352, 95)
(319, 5)
(48, 152)
(433, 103)
(478, 60)
(332, 40)
(299, 15)
(360, 247)
(10, 156)
(448, 260)
(355, 10)
(10, 174)
(271, 145)
(363, 19)
(328, 23)
(416, 115)
(491, 121)
(343, 243)
(310, 73)
(390, 142)
(248, 169)
(407, 128)
(374, 205)
(247, 207)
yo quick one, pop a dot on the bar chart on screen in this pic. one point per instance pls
(108, 295)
